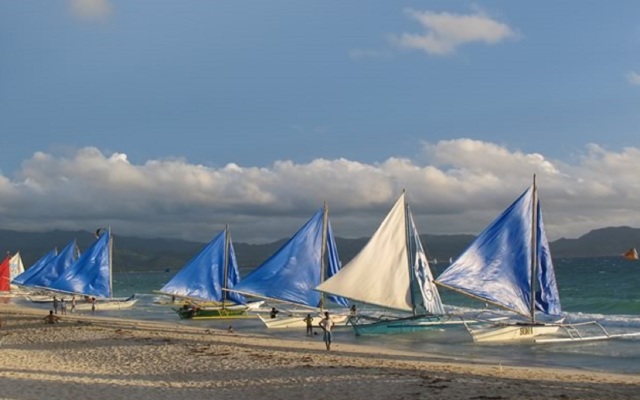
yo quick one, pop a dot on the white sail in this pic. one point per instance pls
(379, 274)
(16, 267)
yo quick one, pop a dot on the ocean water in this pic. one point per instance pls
(605, 290)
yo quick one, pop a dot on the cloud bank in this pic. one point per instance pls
(445, 32)
(455, 186)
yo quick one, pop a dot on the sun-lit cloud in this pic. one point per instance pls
(454, 186)
(633, 78)
(91, 10)
(445, 32)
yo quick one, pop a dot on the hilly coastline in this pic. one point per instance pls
(134, 253)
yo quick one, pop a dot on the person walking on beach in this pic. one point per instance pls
(327, 324)
(55, 304)
(309, 320)
(63, 307)
(73, 303)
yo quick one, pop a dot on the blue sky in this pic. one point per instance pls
(255, 112)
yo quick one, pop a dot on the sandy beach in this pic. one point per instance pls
(87, 357)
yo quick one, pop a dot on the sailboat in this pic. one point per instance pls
(16, 267)
(631, 254)
(10, 268)
(391, 272)
(46, 270)
(91, 276)
(5, 281)
(509, 265)
(205, 278)
(291, 273)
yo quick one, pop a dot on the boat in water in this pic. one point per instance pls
(631, 254)
(292, 273)
(509, 265)
(392, 273)
(201, 287)
(90, 278)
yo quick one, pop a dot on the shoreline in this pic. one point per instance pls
(115, 358)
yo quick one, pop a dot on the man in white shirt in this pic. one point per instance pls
(327, 324)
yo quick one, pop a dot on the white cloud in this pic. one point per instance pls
(91, 9)
(458, 186)
(445, 32)
(634, 78)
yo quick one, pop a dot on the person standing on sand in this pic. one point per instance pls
(327, 324)
(55, 304)
(63, 307)
(73, 303)
(93, 305)
(309, 320)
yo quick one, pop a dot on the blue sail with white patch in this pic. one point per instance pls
(497, 266)
(291, 273)
(203, 277)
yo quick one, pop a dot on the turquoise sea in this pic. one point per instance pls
(606, 290)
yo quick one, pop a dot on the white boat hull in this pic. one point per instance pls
(103, 305)
(510, 332)
(297, 321)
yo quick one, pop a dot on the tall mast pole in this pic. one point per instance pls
(409, 250)
(110, 263)
(534, 248)
(323, 252)
(225, 267)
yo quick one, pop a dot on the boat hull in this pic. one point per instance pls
(509, 332)
(103, 305)
(238, 311)
(297, 321)
(368, 326)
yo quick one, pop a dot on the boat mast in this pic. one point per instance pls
(323, 252)
(534, 248)
(225, 267)
(110, 263)
(407, 246)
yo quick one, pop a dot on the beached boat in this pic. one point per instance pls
(392, 272)
(509, 265)
(46, 270)
(203, 282)
(631, 254)
(290, 275)
(10, 268)
(90, 277)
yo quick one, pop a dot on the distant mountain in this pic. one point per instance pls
(133, 253)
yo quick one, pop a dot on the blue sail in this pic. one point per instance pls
(91, 273)
(547, 295)
(203, 276)
(292, 273)
(334, 264)
(55, 267)
(33, 272)
(496, 267)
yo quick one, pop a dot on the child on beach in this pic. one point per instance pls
(327, 324)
